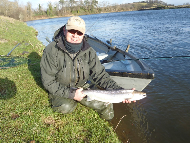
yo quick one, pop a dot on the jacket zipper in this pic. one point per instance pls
(73, 75)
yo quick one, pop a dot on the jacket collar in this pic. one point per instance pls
(58, 38)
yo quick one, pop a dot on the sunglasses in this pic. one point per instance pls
(72, 31)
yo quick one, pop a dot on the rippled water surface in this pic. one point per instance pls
(164, 116)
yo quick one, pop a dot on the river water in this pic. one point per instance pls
(164, 116)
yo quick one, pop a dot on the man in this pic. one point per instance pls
(69, 62)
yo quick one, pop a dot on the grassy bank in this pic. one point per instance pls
(25, 113)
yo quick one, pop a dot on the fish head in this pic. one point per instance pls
(137, 95)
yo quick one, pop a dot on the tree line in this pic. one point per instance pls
(15, 10)
(70, 7)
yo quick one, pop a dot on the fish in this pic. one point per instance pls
(114, 96)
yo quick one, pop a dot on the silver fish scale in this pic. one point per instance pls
(111, 91)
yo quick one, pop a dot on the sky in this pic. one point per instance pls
(35, 3)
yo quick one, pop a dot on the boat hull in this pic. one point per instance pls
(122, 67)
(129, 82)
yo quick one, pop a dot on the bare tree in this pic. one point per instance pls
(86, 4)
(14, 9)
(40, 10)
(93, 5)
(5, 7)
(56, 9)
(50, 9)
(62, 3)
(29, 10)
(72, 2)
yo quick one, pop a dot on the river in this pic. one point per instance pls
(164, 116)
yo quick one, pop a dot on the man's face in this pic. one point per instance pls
(74, 36)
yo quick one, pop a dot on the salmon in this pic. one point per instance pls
(114, 96)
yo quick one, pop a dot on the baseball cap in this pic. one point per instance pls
(76, 23)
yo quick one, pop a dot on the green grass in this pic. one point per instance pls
(25, 113)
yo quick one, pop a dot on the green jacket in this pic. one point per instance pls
(61, 70)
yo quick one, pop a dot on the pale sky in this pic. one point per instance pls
(35, 3)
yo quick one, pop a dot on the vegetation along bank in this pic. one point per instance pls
(64, 8)
(25, 113)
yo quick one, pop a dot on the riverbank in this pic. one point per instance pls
(25, 113)
(141, 9)
(47, 17)
(165, 7)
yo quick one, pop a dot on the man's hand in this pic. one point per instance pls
(79, 95)
(129, 101)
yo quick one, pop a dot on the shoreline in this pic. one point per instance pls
(143, 9)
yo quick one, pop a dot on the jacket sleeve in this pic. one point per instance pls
(49, 69)
(99, 75)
